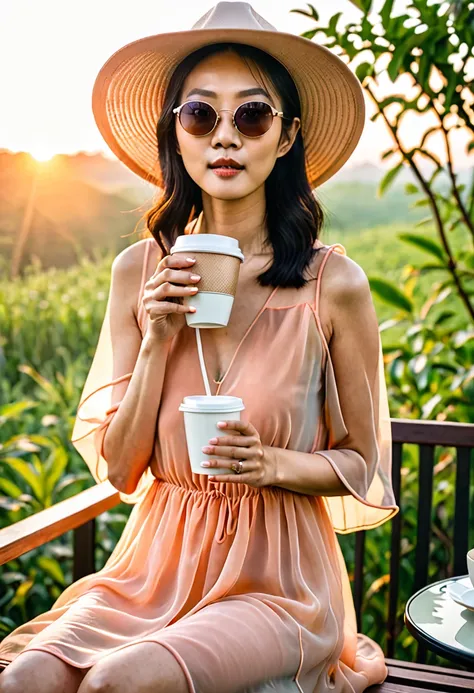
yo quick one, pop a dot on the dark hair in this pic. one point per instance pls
(293, 216)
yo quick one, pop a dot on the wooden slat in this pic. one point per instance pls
(425, 499)
(359, 576)
(423, 527)
(461, 510)
(397, 453)
(388, 687)
(38, 529)
(451, 683)
(394, 664)
(446, 433)
(84, 550)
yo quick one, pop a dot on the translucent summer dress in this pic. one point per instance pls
(246, 587)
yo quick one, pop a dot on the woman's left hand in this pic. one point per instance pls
(259, 465)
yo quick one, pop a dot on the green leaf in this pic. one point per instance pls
(428, 408)
(22, 593)
(52, 568)
(309, 34)
(386, 11)
(396, 61)
(15, 409)
(364, 70)
(411, 189)
(333, 23)
(443, 316)
(462, 336)
(10, 488)
(55, 467)
(423, 243)
(387, 153)
(430, 268)
(388, 179)
(24, 471)
(424, 221)
(311, 12)
(390, 294)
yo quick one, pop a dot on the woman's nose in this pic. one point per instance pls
(225, 134)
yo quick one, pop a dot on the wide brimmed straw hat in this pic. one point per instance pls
(129, 90)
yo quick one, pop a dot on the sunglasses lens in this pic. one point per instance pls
(197, 118)
(254, 118)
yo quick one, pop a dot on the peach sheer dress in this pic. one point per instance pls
(246, 587)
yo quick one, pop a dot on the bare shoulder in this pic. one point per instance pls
(127, 269)
(345, 281)
(345, 295)
(130, 260)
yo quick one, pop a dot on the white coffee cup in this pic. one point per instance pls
(470, 565)
(218, 260)
(201, 414)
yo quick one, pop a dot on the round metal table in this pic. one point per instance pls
(441, 624)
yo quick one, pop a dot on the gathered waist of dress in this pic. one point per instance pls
(227, 489)
(229, 496)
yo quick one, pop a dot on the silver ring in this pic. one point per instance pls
(241, 466)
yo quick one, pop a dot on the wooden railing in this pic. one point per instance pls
(79, 512)
(427, 435)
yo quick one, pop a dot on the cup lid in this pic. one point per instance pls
(208, 243)
(211, 403)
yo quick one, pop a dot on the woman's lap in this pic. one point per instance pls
(237, 645)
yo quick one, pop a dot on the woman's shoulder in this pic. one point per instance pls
(131, 259)
(345, 280)
(133, 265)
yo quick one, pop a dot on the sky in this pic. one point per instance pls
(52, 50)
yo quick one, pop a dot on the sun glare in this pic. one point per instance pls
(42, 153)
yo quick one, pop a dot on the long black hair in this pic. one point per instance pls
(293, 217)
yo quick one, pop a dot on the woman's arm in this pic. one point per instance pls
(354, 350)
(126, 440)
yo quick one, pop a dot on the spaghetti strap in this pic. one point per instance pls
(336, 247)
(142, 283)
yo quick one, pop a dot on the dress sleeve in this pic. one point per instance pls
(97, 407)
(357, 422)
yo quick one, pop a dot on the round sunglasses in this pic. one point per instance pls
(251, 119)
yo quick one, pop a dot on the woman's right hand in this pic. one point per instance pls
(162, 299)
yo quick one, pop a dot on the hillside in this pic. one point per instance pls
(87, 202)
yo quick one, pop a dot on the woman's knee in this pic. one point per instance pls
(40, 672)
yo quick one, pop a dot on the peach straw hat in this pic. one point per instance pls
(129, 89)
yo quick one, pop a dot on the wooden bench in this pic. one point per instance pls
(79, 512)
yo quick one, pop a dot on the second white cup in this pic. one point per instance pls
(201, 415)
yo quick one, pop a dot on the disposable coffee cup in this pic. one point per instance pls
(218, 260)
(470, 565)
(201, 414)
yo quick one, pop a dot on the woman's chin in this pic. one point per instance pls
(229, 189)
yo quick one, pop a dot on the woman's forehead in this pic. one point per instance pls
(227, 74)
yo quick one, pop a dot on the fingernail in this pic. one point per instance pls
(221, 424)
(191, 259)
(195, 276)
(205, 464)
(213, 441)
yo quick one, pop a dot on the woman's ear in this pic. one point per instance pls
(288, 137)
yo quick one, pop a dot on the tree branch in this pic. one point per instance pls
(452, 266)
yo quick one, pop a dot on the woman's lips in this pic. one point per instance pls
(225, 172)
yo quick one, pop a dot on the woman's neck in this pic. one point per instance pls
(242, 219)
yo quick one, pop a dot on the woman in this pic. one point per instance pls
(236, 584)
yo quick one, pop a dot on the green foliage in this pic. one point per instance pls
(432, 44)
(44, 364)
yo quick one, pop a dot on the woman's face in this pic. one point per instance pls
(226, 75)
